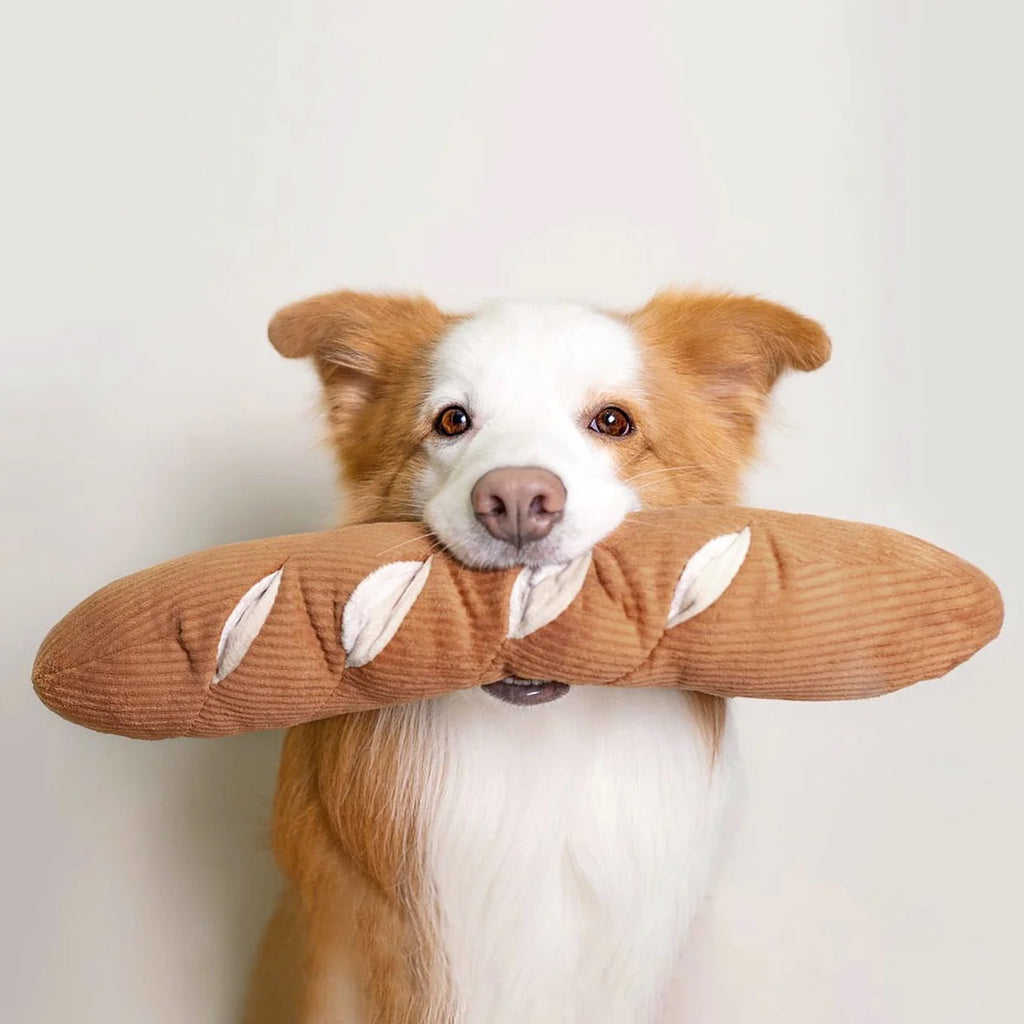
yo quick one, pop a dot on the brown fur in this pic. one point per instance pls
(344, 836)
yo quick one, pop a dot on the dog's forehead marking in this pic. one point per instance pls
(557, 351)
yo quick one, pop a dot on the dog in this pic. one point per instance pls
(528, 850)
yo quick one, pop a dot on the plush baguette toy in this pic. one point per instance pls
(731, 601)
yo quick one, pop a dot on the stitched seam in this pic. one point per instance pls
(639, 666)
(323, 651)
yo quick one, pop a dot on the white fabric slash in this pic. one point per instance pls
(378, 606)
(541, 593)
(707, 575)
(244, 623)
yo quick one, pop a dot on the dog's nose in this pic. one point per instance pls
(517, 504)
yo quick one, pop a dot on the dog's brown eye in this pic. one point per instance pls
(612, 421)
(452, 421)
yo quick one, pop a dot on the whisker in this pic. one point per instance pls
(663, 469)
(410, 540)
(655, 510)
(649, 498)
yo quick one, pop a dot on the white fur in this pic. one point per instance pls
(567, 843)
(568, 847)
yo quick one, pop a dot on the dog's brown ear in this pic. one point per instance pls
(365, 347)
(359, 342)
(352, 328)
(737, 346)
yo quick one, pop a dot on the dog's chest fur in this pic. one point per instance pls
(567, 847)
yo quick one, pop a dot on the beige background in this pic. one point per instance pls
(173, 172)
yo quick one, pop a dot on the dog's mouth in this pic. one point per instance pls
(526, 692)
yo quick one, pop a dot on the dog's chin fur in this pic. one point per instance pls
(465, 860)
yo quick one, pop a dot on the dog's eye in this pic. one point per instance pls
(612, 421)
(452, 421)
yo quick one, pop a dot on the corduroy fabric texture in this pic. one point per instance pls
(820, 610)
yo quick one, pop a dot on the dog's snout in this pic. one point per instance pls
(518, 504)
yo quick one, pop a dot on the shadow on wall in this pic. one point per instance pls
(240, 491)
(218, 800)
(215, 795)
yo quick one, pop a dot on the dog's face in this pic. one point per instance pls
(532, 413)
(524, 434)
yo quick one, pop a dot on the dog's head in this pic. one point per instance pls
(525, 433)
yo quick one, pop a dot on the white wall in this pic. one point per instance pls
(173, 173)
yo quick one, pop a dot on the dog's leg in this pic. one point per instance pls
(347, 943)
(276, 986)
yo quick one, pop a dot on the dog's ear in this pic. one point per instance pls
(352, 328)
(358, 340)
(736, 346)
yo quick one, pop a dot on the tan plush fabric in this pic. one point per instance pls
(819, 609)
